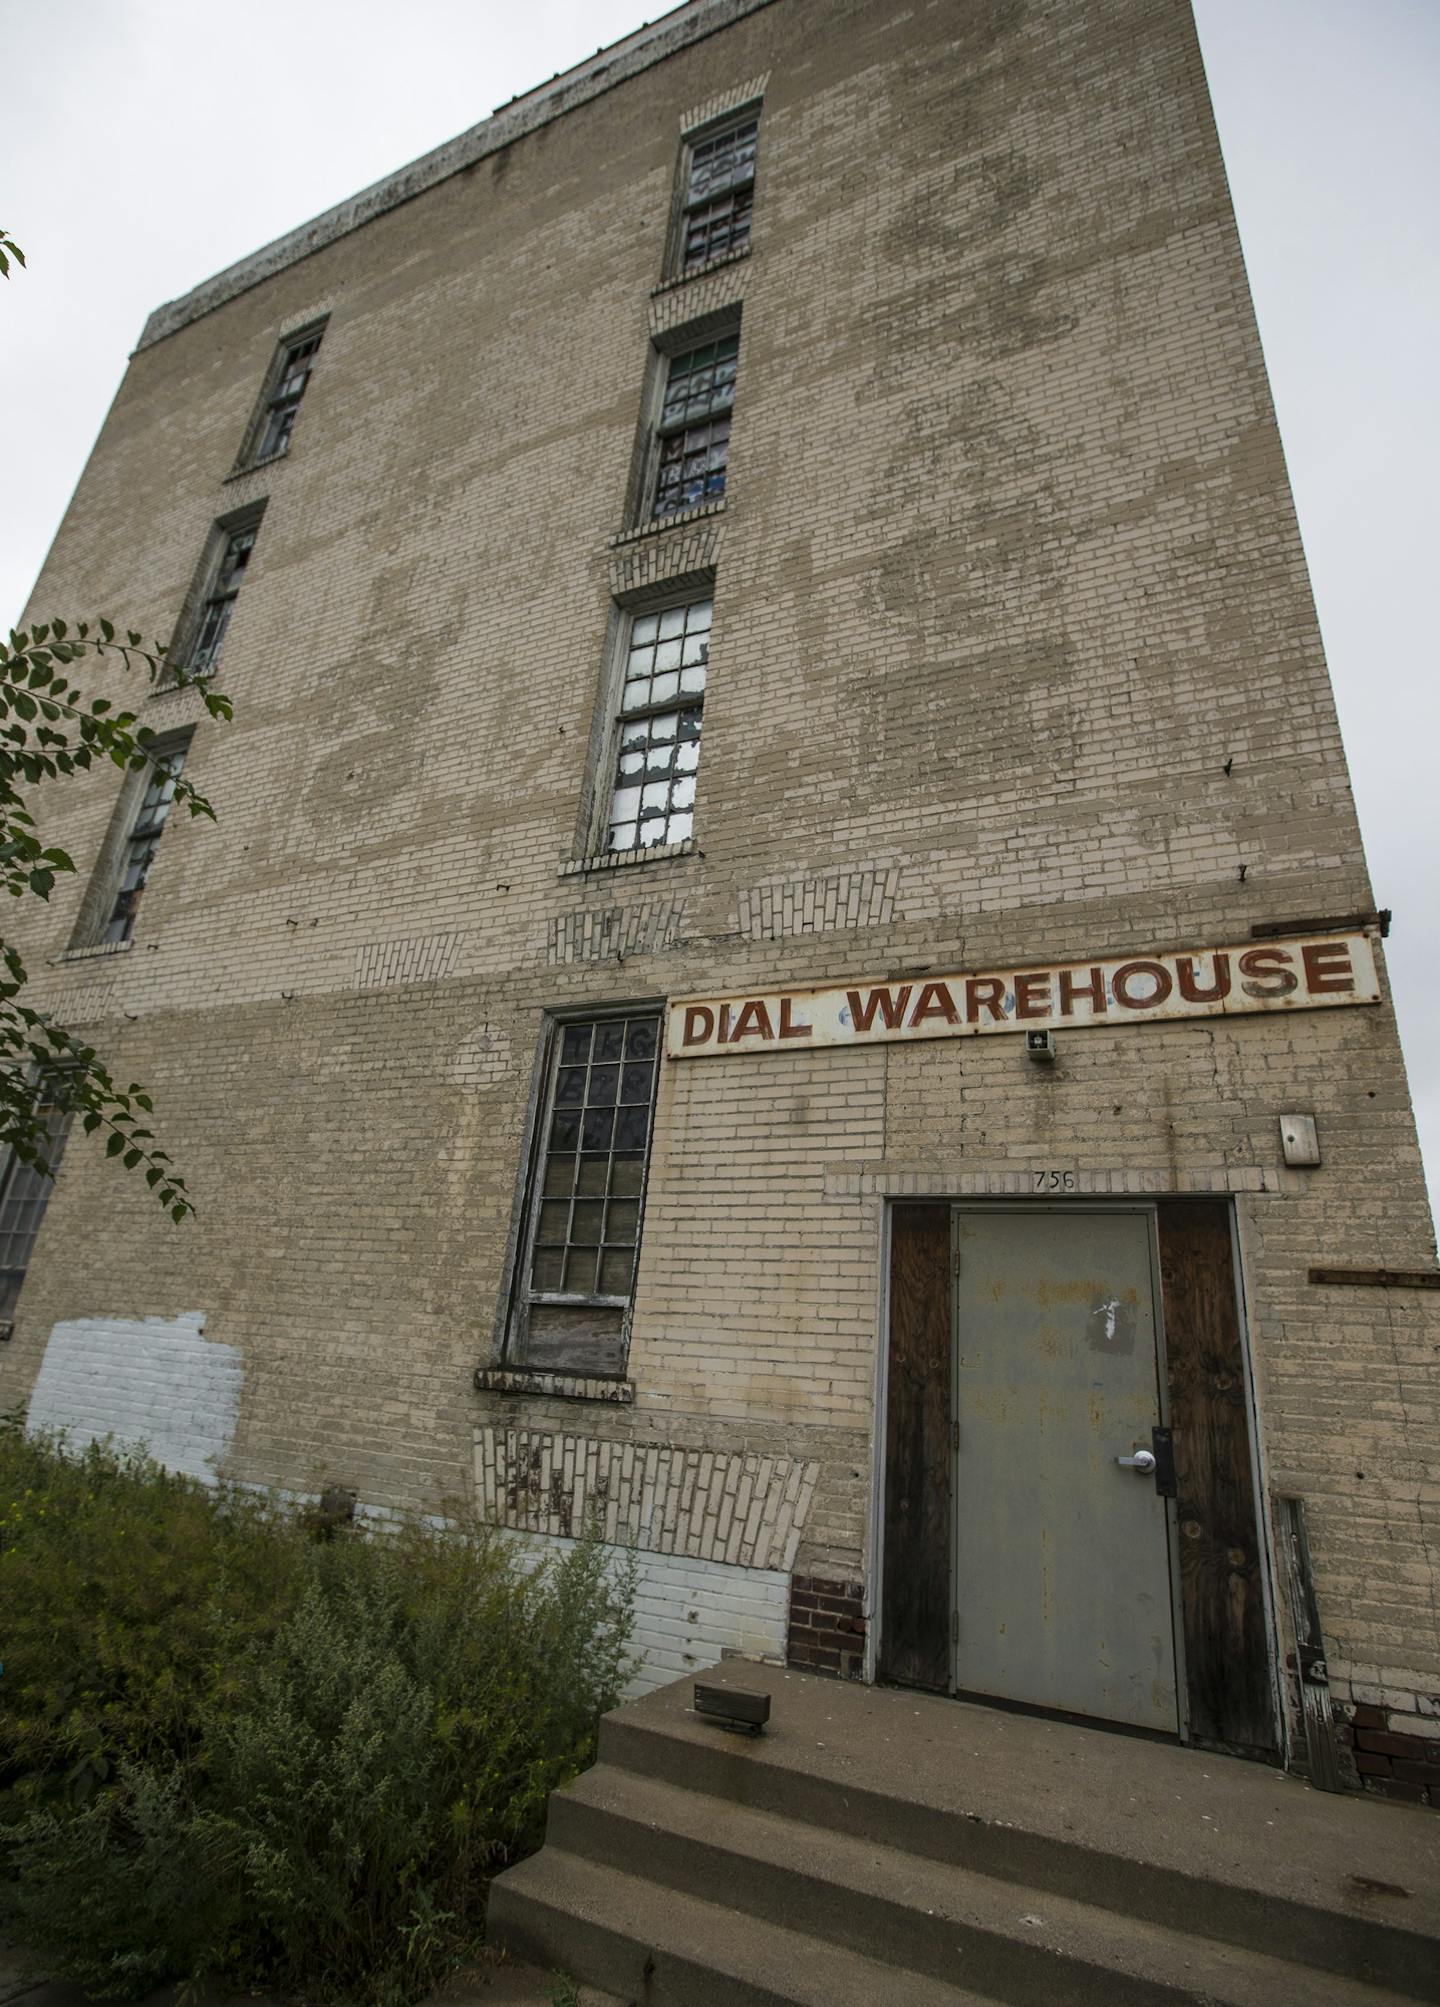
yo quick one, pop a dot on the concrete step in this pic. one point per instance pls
(651, 1944)
(919, 1916)
(1204, 1845)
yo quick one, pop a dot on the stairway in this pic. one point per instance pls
(876, 1847)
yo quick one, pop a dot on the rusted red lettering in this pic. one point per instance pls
(1272, 964)
(1123, 977)
(1032, 994)
(1327, 967)
(1071, 988)
(753, 1022)
(984, 993)
(1194, 992)
(699, 1024)
(890, 1004)
(723, 1035)
(788, 1029)
(934, 1000)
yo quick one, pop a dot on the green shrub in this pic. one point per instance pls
(130, 1599)
(350, 1738)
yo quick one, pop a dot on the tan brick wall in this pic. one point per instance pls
(1014, 657)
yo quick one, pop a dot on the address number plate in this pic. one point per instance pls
(1055, 1181)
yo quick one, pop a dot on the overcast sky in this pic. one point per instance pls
(151, 142)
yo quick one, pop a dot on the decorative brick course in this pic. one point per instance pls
(745, 1511)
(860, 897)
(604, 932)
(420, 959)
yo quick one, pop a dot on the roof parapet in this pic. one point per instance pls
(680, 29)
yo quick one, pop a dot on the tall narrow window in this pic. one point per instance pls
(291, 375)
(24, 1195)
(719, 193)
(220, 600)
(693, 433)
(583, 1208)
(666, 655)
(144, 838)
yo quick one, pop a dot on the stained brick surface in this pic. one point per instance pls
(1014, 658)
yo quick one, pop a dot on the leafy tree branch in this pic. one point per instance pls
(50, 730)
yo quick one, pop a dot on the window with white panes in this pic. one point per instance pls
(719, 193)
(693, 433)
(662, 697)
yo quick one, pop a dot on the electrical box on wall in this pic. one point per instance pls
(1040, 1043)
(1298, 1140)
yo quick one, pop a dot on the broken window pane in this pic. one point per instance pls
(220, 601)
(723, 161)
(659, 746)
(144, 840)
(293, 375)
(694, 428)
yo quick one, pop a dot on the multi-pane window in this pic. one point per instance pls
(24, 1195)
(144, 839)
(719, 193)
(653, 800)
(584, 1214)
(278, 420)
(220, 600)
(693, 434)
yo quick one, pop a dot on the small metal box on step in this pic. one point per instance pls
(733, 1707)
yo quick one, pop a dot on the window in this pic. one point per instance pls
(583, 1215)
(658, 751)
(24, 1195)
(220, 600)
(719, 192)
(292, 374)
(144, 838)
(693, 433)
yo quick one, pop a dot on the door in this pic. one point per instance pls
(1061, 1551)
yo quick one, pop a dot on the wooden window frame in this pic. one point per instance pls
(515, 1345)
(688, 204)
(278, 403)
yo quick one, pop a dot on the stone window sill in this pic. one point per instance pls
(615, 860)
(90, 954)
(664, 523)
(254, 466)
(700, 272)
(554, 1386)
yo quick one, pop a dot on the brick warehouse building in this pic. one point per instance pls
(787, 962)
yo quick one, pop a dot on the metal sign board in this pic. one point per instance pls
(1272, 976)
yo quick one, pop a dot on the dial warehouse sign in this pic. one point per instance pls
(1269, 976)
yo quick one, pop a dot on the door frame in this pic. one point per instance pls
(875, 1529)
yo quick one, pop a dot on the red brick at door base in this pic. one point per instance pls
(1206, 982)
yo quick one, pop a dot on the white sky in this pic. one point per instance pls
(151, 142)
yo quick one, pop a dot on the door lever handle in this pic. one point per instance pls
(1143, 1459)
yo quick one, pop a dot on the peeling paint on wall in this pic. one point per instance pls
(155, 1381)
(690, 1614)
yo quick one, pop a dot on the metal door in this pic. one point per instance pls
(1063, 1592)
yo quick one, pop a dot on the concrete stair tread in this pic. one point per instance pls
(701, 1954)
(1156, 1806)
(844, 1888)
